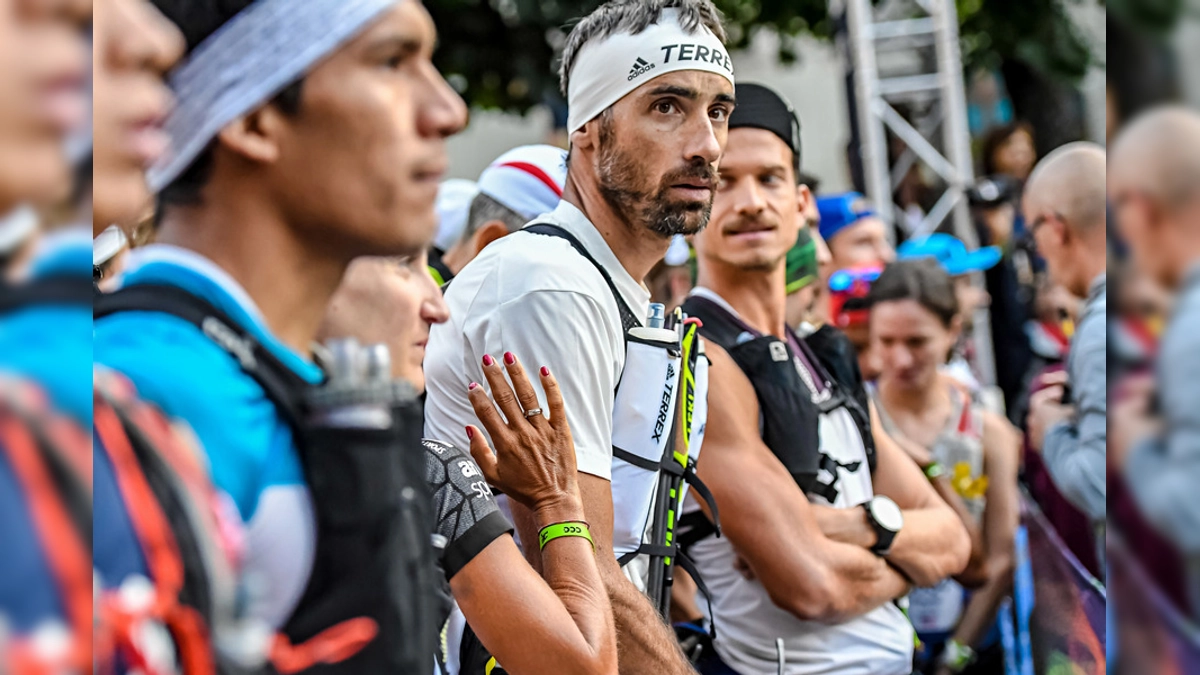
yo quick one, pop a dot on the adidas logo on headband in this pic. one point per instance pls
(640, 67)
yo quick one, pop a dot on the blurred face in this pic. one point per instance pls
(757, 213)
(1147, 232)
(360, 162)
(1049, 234)
(861, 244)
(391, 301)
(42, 95)
(134, 46)
(1016, 156)
(657, 151)
(909, 344)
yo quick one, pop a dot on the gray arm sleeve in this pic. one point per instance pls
(1076, 452)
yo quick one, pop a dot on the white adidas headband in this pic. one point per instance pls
(607, 70)
(247, 61)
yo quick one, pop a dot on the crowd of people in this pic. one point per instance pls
(650, 404)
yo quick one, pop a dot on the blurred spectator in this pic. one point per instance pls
(1010, 285)
(855, 233)
(453, 205)
(970, 456)
(1065, 205)
(517, 187)
(951, 253)
(1009, 151)
(803, 280)
(1155, 189)
(671, 280)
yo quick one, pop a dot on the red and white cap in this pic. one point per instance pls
(529, 179)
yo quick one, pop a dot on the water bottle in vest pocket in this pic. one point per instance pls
(643, 421)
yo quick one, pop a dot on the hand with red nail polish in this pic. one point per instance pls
(534, 462)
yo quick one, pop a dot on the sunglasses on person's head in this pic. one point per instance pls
(847, 280)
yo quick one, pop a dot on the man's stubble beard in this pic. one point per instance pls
(620, 180)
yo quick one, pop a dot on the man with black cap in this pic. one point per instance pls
(812, 558)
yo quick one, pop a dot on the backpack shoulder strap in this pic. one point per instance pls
(58, 290)
(628, 318)
(718, 324)
(281, 384)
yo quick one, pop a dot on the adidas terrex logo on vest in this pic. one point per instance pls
(664, 408)
(682, 52)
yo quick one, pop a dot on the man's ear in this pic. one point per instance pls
(587, 137)
(804, 198)
(489, 232)
(255, 136)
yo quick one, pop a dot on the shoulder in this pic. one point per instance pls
(523, 262)
(730, 393)
(174, 366)
(466, 513)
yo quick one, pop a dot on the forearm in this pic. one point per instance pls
(644, 641)
(1078, 467)
(980, 612)
(570, 569)
(925, 550)
(1161, 476)
(863, 583)
(975, 575)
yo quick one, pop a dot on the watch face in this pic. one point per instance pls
(887, 513)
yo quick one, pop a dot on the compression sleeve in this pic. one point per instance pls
(466, 512)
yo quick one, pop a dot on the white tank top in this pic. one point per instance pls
(748, 623)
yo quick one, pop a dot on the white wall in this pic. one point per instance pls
(814, 86)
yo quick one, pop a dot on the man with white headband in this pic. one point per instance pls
(649, 85)
(303, 135)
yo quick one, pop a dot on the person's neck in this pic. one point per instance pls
(290, 282)
(1093, 263)
(638, 249)
(913, 401)
(759, 296)
(457, 257)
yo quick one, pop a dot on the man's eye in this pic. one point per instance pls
(719, 114)
(665, 107)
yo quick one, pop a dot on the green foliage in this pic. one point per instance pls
(503, 53)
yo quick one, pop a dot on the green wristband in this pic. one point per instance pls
(569, 529)
(934, 471)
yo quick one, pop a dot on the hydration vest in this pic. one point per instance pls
(49, 458)
(790, 415)
(371, 603)
(661, 398)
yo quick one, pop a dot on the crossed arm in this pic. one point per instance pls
(932, 545)
(771, 524)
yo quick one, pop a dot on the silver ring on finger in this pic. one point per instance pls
(533, 412)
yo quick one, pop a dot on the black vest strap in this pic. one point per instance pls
(281, 384)
(57, 290)
(628, 318)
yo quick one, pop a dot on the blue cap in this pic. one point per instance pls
(951, 253)
(841, 211)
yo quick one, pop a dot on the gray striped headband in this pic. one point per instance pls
(250, 59)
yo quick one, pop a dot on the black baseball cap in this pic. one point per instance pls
(761, 107)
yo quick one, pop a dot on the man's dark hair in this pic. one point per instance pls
(921, 279)
(485, 209)
(197, 20)
(634, 16)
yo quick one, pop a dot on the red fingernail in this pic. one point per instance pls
(509, 358)
(473, 386)
(470, 434)
(487, 360)
(545, 371)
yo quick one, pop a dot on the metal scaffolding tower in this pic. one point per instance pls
(905, 40)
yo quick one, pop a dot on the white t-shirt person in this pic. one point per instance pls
(535, 296)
